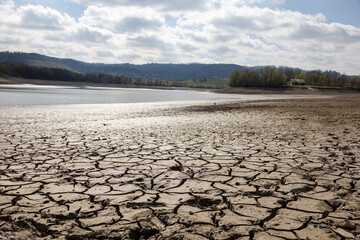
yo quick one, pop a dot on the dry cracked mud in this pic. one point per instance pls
(282, 169)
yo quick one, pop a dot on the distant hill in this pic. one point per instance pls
(36, 66)
(154, 71)
(151, 71)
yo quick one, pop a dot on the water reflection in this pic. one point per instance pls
(27, 94)
(53, 95)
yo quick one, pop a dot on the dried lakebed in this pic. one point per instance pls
(277, 169)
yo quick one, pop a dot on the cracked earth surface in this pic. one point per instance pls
(286, 169)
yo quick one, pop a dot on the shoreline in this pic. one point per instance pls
(240, 90)
(286, 90)
(20, 81)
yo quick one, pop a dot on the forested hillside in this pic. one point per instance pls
(58, 74)
(154, 71)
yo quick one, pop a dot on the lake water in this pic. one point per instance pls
(27, 94)
(54, 95)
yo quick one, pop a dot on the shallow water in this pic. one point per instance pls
(55, 95)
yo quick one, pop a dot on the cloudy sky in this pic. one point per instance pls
(310, 34)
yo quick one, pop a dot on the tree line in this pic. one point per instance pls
(57, 74)
(267, 77)
(330, 79)
(273, 77)
(263, 77)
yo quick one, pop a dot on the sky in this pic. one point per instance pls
(309, 34)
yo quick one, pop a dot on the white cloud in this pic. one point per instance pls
(38, 17)
(91, 34)
(228, 31)
(278, 1)
(123, 19)
(163, 5)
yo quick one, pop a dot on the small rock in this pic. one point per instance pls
(95, 174)
(105, 202)
(347, 225)
(323, 225)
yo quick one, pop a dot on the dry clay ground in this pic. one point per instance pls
(284, 169)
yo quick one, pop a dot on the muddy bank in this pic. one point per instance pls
(282, 169)
(287, 90)
(13, 80)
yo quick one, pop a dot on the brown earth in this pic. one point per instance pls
(303, 90)
(285, 169)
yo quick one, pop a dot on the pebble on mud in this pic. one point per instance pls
(323, 225)
(346, 224)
